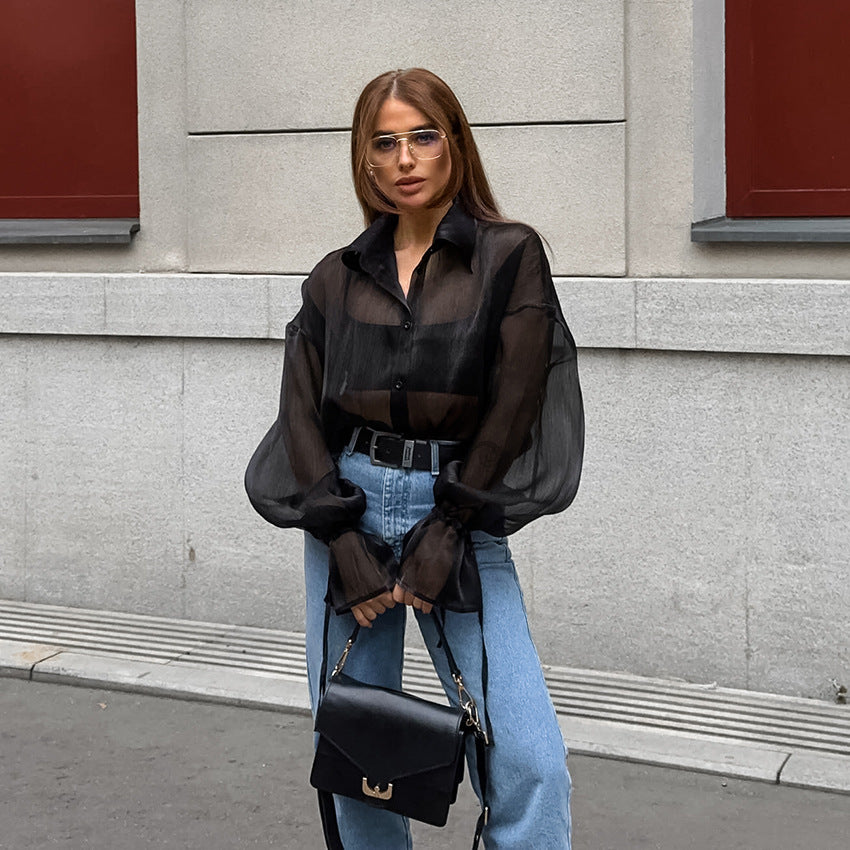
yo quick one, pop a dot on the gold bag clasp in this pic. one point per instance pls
(376, 791)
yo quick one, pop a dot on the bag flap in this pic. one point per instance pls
(388, 734)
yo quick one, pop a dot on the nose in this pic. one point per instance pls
(405, 157)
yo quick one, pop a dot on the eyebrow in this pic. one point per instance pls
(411, 130)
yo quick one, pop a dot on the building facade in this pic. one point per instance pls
(709, 538)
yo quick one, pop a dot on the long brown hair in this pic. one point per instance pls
(433, 98)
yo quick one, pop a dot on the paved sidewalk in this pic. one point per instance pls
(83, 768)
(795, 742)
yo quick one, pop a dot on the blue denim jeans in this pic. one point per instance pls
(529, 785)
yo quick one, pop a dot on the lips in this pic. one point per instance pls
(409, 181)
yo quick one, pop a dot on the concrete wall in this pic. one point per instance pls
(550, 123)
(708, 538)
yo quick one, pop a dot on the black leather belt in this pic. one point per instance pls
(386, 449)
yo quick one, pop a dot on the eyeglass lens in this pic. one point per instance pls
(423, 144)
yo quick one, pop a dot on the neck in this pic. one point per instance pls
(418, 229)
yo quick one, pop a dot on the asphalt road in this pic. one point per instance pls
(84, 768)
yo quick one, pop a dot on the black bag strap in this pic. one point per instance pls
(327, 810)
(482, 750)
(482, 734)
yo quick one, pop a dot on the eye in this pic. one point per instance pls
(383, 144)
(425, 138)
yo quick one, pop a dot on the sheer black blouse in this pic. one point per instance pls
(478, 351)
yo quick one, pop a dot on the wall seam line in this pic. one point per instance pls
(27, 469)
(299, 131)
(635, 298)
(626, 182)
(184, 544)
(187, 263)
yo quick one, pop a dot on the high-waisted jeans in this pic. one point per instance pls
(529, 785)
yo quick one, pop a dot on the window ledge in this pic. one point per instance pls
(725, 229)
(64, 231)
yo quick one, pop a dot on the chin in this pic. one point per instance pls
(408, 207)
(413, 204)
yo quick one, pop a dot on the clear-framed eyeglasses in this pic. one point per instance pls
(422, 144)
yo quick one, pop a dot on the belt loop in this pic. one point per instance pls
(349, 449)
(435, 458)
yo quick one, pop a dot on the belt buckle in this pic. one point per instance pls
(372, 443)
(406, 454)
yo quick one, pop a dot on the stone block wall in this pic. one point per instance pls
(708, 539)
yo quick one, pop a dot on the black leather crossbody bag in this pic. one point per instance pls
(391, 749)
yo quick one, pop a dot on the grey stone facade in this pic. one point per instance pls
(709, 537)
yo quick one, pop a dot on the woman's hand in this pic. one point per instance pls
(405, 597)
(368, 611)
(362, 571)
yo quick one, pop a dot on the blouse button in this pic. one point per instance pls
(399, 384)
(407, 324)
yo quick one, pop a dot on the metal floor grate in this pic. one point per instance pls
(733, 715)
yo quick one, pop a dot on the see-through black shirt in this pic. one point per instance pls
(478, 351)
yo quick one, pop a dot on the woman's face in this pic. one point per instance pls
(409, 182)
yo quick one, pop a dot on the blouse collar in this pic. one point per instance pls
(371, 250)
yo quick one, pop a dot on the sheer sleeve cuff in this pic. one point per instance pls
(361, 566)
(466, 504)
(438, 563)
(330, 508)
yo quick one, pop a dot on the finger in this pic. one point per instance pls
(385, 599)
(426, 607)
(417, 603)
(409, 598)
(377, 607)
(361, 618)
(398, 594)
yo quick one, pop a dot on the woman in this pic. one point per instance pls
(430, 406)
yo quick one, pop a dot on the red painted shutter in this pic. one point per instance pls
(68, 144)
(788, 107)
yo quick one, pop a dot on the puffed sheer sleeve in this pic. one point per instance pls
(292, 480)
(525, 459)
